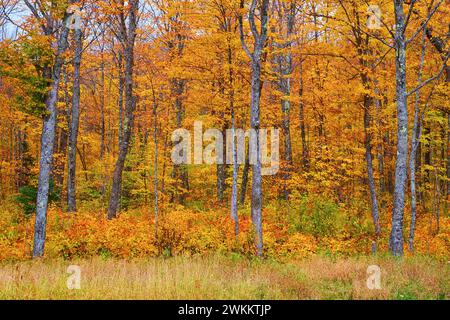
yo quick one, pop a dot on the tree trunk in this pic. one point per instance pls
(415, 138)
(256, 167)
(47, 142)
(245, 177)
(234, 214)
(130, 105)
(120, 101)
(155, 164)
(222, 172)
(285, 69)
(396, 236)
(370, 178)
(74, 124)
(179, 173)
(256, 58)
(234, 187)
(305, 161)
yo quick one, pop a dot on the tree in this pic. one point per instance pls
(52, 73)
(256, 62)
(126, 35)
(74, 123)
(286, 17)
(400, 43)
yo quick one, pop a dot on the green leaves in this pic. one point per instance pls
(27, 197)
(25, 63)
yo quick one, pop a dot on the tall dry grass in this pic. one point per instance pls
(217, 277)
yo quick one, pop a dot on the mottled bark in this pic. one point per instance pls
(234, 214)
(47, 142)
(256, 58)
(396, 236)
(234, 187)
(256, 168)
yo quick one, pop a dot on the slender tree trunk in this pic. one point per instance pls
(380, 159)
(47, 142)
(256, 167)
(234, 187)
(102, 116)
(396, 236)
(415, 138)
(74, 124)
(370, 177)
(130, 105)
(427, 152)
(245, 172)
(302, 120)
(120, 102)
(61, 140)
(234, 214)
(155, 164)
(285, 69)
(180, 173)
(222, 172)
(256, 58)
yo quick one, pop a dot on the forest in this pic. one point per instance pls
(264, 146)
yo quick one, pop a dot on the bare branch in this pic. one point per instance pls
(437, 76)
(425, 23)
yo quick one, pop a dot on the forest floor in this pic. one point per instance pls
(232, 277)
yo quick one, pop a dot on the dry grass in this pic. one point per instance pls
(225, 278)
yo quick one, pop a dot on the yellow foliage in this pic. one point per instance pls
(299, 246)
(187, 232)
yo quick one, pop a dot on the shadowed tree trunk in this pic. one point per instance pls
(362, 45)
(179, 172)
(286, 16)
(369, 164)
(127, 38)
(256, 57)
(415, 138)
(305, 162)
(244, 182)
(222, 171)
(155, 163)
(74, 124)
(120, 99)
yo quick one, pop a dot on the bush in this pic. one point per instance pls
(316, 216)
(28, 194)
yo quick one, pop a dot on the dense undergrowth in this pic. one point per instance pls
(303, 228)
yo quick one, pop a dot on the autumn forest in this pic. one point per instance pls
(347, 103)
